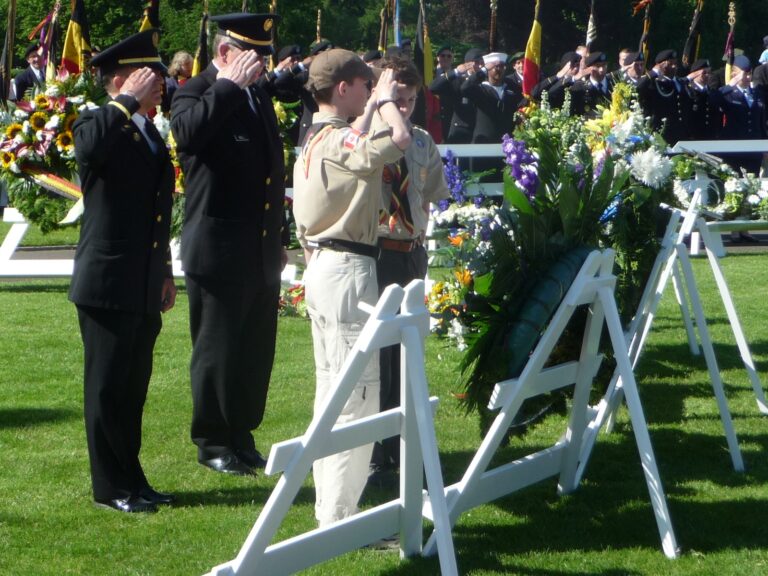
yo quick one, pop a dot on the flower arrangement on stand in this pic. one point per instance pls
(37, 160)
(569, 187)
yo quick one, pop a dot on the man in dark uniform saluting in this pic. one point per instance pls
(122, 278)
(230, 149)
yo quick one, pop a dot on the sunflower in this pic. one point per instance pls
(6, 159)
(64, 141)
(38, 121)
(13, 129)
(69, 121)
(42, 102)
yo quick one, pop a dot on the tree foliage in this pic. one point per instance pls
(355, 23)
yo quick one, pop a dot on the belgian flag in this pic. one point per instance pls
(76, 52)
(532, 61)
(200, 62)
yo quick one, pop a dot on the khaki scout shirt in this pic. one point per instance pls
(427, 184)
(337, 182)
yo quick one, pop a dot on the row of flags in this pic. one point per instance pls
(76, 48)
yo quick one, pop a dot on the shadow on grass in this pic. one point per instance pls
(26, 417)
(236, 496)
(60, 287)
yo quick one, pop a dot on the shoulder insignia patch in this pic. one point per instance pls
(352, 138)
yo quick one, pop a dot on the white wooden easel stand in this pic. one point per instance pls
(418, 445)
(593, 286)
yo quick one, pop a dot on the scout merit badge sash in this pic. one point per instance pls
(399, 208)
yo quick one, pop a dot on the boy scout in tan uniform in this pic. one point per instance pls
(409, 186)
(337, 196)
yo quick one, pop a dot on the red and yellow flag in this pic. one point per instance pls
(532, 61)
(77, 43)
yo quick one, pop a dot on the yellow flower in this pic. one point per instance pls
(68, 122)
(65, 140)
(6, 159)
(458, 239)
(38, 120)
(463, 276)
(280, 112)
(12, 130)
(41, 102)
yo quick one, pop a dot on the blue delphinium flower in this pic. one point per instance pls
(454, 178)
(523, 166)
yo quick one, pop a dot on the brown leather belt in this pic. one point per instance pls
(398, 245)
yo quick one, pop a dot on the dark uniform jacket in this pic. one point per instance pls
(495, 114)
(122, 258)
(666, 101)
(706, 118)
(234, 178)
(25, 80)
(742, 121)
(448, 88)
(555, 88)
(586, 96)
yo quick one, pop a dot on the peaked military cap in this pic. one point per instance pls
(34, 47)
(290, 50)
(665, 55)
(699, 64)
(321, 46)
(595, 58)
(138, 51)
(248, 31)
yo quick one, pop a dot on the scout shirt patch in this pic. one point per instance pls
(352, 138)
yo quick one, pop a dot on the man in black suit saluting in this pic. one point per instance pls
(231, 248)
(122, 279)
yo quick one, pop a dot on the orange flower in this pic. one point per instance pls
(458, 239)
(463, 276)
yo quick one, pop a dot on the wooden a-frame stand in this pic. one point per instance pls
(593, 286)
(673, 262)
(412, 421)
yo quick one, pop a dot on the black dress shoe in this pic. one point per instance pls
(228, 464)
(151, 495)
(130, 504)
(252, 458)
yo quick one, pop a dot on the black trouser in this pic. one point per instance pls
(233, 325)
(394, 268)
(118, 364)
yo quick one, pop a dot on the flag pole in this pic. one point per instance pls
(492, 31)
(6, 65)
(729, 52)
(319, 36)
(691, 48)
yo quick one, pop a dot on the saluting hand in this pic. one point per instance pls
(386, 87)
(244, 68)
(145, 85)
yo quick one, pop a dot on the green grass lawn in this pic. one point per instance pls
(49, 527)
(67, 236)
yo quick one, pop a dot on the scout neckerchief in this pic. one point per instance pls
(399, 206)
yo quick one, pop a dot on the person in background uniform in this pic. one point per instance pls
(337, 198)
(444, 67)
(516, 61)
(744, 109)
(557, 85)
(280, 83)
(408, 187)
(663, 97)
(631, 67)
(232, 156)
(706, 119)
(301, 73)
(373, 58)
(447, 86)
(33, 76)
(122, 278)
(594, 90)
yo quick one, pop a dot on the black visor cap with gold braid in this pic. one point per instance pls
(136, 51)
(248, 31)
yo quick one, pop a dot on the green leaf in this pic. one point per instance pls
(482, 284)
(514, 196)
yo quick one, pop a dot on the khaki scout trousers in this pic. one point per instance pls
(335, 283)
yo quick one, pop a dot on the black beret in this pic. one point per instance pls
(595, 58)
(742, 62)
(372, 55)
(473, 54)
(633, 57)
(570, 58)
(138, 50)
(321, 47)
(34, 47)
(516, 56)
(249, 31)
(665, 55)
(290, 50)
(699, 64)
(443, 48)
